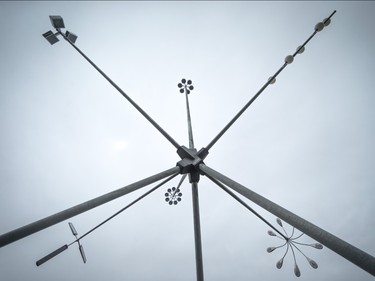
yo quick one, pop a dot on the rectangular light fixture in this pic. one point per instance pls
(51, 37)
(71, 36)
(57, 21)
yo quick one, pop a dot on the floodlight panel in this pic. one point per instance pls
(51, 37)
(71, 36)
(57, 21)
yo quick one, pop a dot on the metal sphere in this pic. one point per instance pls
(326, 21)
(300, 50)
(179, 85)
(183, 81)
(191, 88)
(289, 59)
(319, 26)
(181, 91)
(189, 82)
(273, 80)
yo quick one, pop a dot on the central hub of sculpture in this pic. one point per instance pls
(190, 161)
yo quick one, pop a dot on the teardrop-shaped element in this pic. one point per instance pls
(273, 80)
(191, 88)
(173, 188)
(317, 246)
(178, 199)
(170, 202)
(175, 202)
(270, 249)
(189, 82)
(300, 49)
(319, 26)
(312, 263)
(289, 59)
(183, 81)
(187, 91)
(181, 91)
(279, 264)
(296, 271)
(169, 190)
(179, 85)
(271, 233)
(326, 21)
(167, 199)
(180, 194)
(279, 222)
(167, 194)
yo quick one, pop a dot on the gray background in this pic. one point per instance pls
(67, 136)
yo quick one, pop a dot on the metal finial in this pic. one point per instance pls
(291, 242)
(185, 85)
(173, 196)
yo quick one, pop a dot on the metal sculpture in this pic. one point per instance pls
(192, 164)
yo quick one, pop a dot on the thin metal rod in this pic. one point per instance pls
(36, 226)
(126, 207)
(197, 233)
(245, 205)
(339, 246)
(221, 133)
(156, 125)
(191, 140)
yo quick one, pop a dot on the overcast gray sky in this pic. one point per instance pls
(67, 136)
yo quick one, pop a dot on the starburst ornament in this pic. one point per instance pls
(290, 242)
(185, 86)
(173, 196)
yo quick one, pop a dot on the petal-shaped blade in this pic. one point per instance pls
(72, 228)
(279, 222)
(82, 253)
(279, 264)
(312, 263)
(271, 233)
(270, 249)
(317, 246)
(296, 271)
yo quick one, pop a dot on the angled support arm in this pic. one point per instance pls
(271, 80)
(36, 226)
(156, 125)
(339, 246)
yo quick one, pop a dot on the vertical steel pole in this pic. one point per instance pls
(195, 199)
(197, 233)
(191, 141)
(339, 246)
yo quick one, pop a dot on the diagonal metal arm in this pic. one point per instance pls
(126, 207)
(219, 184)
(156, 125)
(339, 246)
(221, 133)
(63, 248)
(36, 226)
